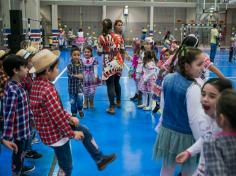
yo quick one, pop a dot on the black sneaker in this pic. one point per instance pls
(27, 169)
(33, 154)
(81, 114)
(157, 107)
(134, 98)
(105, 161)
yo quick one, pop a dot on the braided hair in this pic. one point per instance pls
(186, 56)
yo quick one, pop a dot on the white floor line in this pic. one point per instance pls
(59, 75)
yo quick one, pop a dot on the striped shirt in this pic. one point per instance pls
(16, 112)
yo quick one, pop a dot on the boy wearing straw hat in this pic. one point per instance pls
(56, 126)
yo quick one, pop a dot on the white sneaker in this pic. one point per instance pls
(141, 106)
(147, 108)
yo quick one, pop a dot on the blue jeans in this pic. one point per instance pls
(63, 154)
(76, 102)
(213, 51)
(89, 143)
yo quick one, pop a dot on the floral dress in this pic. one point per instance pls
(91, 80)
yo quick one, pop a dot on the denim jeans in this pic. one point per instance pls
(18, 158)
(63, 154)
(213, 52)
(89, 143)
(113, 89)
(76, 102)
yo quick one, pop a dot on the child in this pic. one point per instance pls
(156, 91)
(148, 78)
(220, 152)
(3, 81)
(75, 83)
(16, 111)
(52, 121)
(210, 92)
(27, 83)
(132, 71)
(181, 112)
(90, 76)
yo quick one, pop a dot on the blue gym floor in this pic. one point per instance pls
(129, 133)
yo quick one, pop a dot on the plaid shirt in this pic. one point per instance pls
(75, 85)
(51, 120)
(220, 155)
(3, 81)
(16, 112)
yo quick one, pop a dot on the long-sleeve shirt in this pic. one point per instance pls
(16, 112)
(51, 120)
(75, 85)
(208, 129)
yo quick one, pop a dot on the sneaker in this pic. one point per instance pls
(141, 106)
(35, 141)
(27, 169)
(147, 108)
(105, 161)
(157, 107)
(33, 154)
(134, 98)
(81, 114)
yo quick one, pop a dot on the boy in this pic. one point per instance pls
(16, 113)
(52, 121)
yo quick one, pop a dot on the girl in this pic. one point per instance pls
(75, 83)
(132, 70)
(220, 152)
(181, 112)
(148, 78)
(165, 54)
(90, 77)
(210, 92)
(148, 46)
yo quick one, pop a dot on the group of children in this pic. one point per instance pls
(175, 82)
(29, 100)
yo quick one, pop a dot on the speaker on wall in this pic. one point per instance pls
(16, 22)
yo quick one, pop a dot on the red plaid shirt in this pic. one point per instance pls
(51, 120)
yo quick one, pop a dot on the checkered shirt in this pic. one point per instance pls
(75, 85)
(16, 112)
(51, 120)
(220, 156)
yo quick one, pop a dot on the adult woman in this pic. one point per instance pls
(109, 44)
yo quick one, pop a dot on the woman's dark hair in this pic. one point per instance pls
(106, 26)
(74, 49)
(149, 55)
(89, 48)
(12, 62)
(80, 30)
(226, 105)
(219, 83)
(167, 35)
(186, 56)
(51, 68)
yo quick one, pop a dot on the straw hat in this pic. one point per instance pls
(43, 59)
(23, 53)
(2, 53)
(32, 50)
